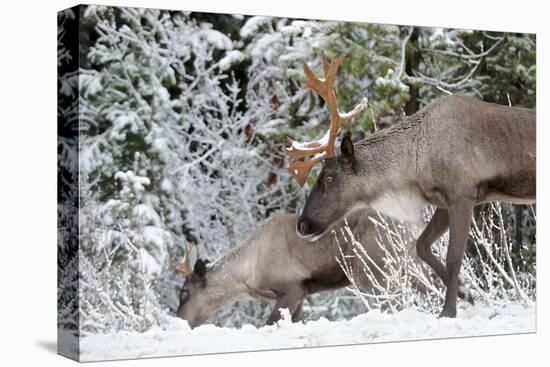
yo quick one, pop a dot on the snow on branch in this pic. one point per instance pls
(405, 281)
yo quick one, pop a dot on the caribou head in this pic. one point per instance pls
(193, 292)
(331, 180)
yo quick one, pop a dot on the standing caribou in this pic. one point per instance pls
(454, 154)
(274, 262)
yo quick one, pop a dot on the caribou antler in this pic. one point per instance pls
(183, 265)
(324, 147)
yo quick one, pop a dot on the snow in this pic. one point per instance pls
(372, 327)
(135, 180)
(266, 46)
(272, 125)
(218, 39)
(147, 215)
(232, 57)
(154, 235)
(253, 25)
(442, 38)
(150, 265)
(89, 84)
(311, 145)
(123, 121)
(166, 185)
(390, 80)
(242, 153)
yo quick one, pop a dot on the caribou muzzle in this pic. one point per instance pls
(308, 229)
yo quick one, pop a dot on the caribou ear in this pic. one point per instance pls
(200, 268)
(346, 147)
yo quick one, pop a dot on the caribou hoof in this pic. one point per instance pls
(447, 313)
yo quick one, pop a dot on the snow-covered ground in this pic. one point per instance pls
(372, 327)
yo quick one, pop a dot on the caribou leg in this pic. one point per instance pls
(290, 298)
(297, 314)
(435, 229)
(460, 215)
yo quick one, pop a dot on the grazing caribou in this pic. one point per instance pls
(276, 263)
(454, 154)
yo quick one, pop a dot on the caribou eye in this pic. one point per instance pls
(327, 179)
(183, 295)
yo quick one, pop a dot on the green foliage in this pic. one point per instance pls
(511, 70)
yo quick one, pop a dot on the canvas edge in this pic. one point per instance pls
(68, 193)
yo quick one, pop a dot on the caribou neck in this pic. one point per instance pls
(388, 155)
(224, 280)
(388, 159)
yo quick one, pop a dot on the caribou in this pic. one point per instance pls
(454, 154)
(274, 262)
